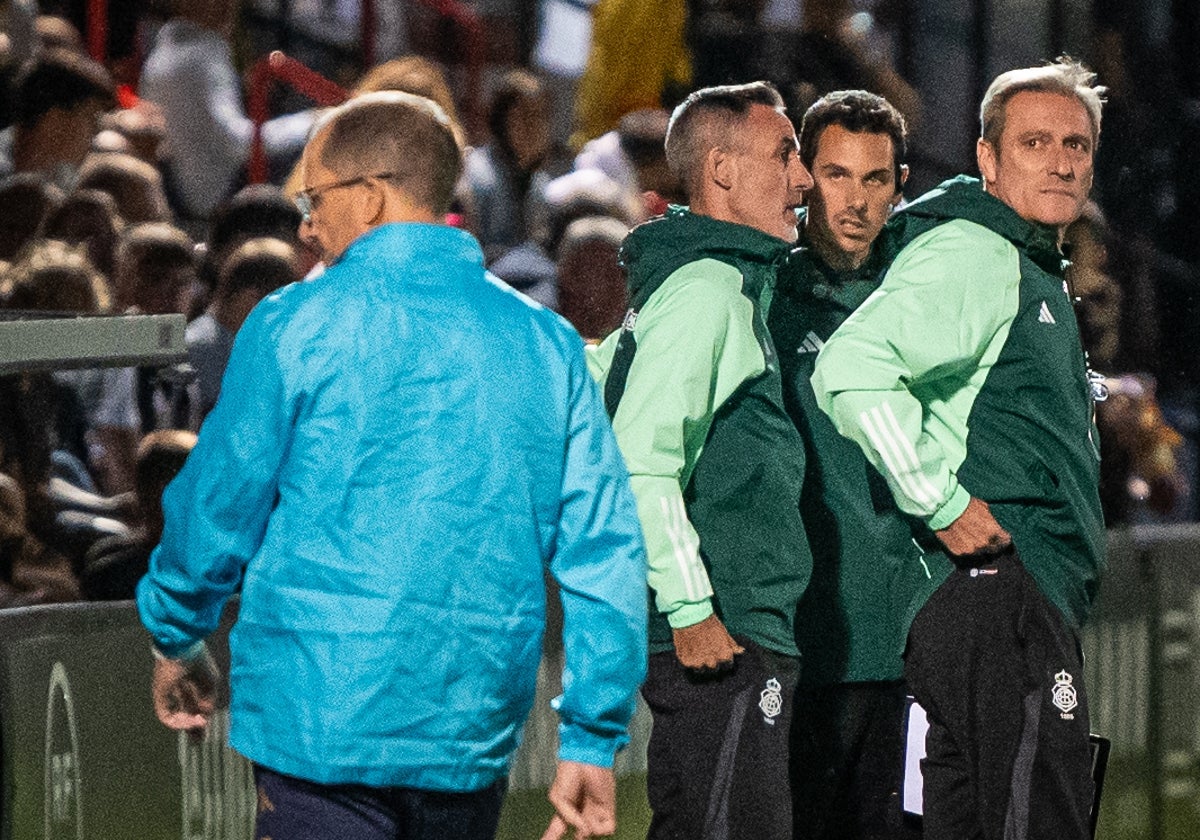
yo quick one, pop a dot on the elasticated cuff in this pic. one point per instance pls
(690, 614)
(950, 511)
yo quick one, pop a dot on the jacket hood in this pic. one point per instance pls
(655, 249)
(963, 197)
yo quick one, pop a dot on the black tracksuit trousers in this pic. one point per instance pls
(848, 762)
(1000, 675)
(718, 753)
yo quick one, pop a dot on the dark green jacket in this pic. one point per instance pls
(873, 566)
(715, 462)
(963, 375)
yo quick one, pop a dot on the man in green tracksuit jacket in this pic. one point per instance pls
(872, 564)
(716, 466)
(963, 379)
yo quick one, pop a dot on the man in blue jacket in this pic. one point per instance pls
(401, 447)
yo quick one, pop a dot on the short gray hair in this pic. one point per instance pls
(707, 118)
(401, 134)
(1065, 76)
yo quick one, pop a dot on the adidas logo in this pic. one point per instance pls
(811, 344)
(1044, 316)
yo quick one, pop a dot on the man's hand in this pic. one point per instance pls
(706, 646)
(584, 797)
(185, 692)
(974, 532)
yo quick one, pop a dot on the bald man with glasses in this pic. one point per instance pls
(402, 448)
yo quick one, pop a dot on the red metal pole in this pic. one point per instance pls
(97, 30)
(265, 71)
(256, 104)
(305, 80)
(475, 54)
(369, 22)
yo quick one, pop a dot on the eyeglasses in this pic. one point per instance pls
(307, 200)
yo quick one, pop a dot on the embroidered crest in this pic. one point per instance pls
(1064, 695)
(771, 700)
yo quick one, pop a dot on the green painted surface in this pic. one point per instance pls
(527, 813)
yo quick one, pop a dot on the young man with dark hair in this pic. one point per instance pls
(848, 738)
(57, 101)
(115, 564)
(505, 178)
(963, 380)
(692, 384)
(249, 273)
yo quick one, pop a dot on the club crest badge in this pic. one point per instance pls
(1064, 695)
(771, 701)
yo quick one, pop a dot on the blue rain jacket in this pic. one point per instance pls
(400, 449)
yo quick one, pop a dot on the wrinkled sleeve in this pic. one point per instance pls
(216, 510)
(696, 345)
(931, 321)
(600, 565)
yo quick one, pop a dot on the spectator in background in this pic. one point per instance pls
(55, 277)
(591, 282)
(18, 31)
(140, 128)
(14, 540)
(639, 59)
(189, 74)
(87, 217)
(560, 55)
(413, 74)
(1094, 288)
(135, 186)
(504, 177)
(57, 102)
(58, 33)
(52, 276)
(155, 275)
(1141, 475)
(530, 266)
(584, 192)
(43, 441)
(155, 270)
(31, 570)
(27, 198)
(115, 564)
(634, 156)
(251, 272)
(831, 54)
(255, 211)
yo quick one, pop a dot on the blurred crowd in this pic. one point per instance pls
(125, 188)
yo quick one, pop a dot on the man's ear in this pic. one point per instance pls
(985, 156)
(899, 196)
(373, 206)
(721, 167)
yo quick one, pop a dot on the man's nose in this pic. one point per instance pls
(305, 231)
(857, 199)
(801, 178)
(1062, 165)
